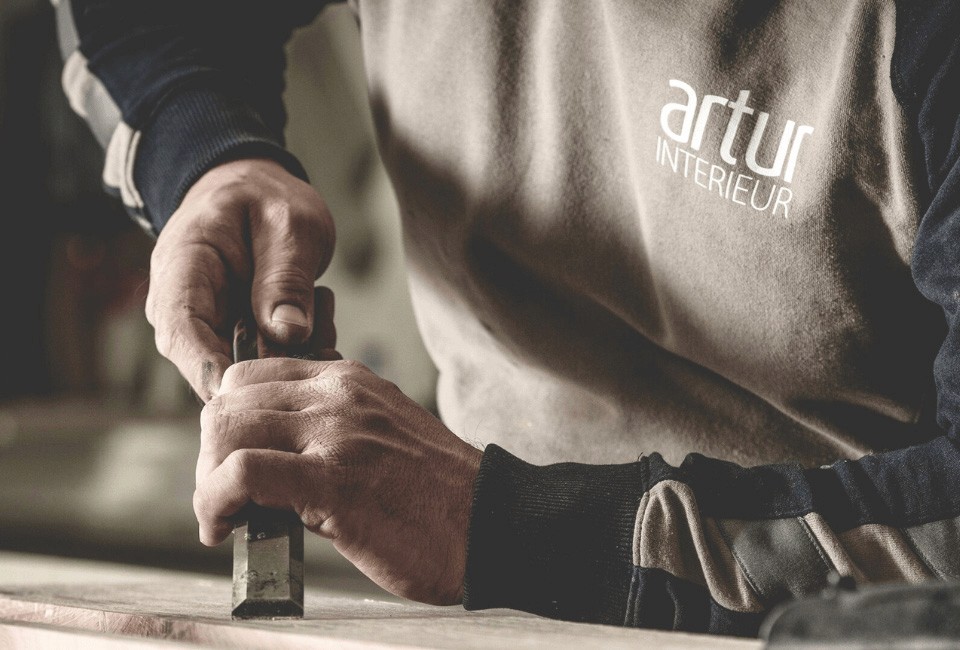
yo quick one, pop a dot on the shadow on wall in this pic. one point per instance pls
(98, 434)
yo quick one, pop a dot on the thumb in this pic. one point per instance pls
(273, 479)
(284, 270)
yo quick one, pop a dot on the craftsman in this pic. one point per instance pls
(688, 270)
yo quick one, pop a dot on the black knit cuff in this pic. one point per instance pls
(554, 540)
(194, 131)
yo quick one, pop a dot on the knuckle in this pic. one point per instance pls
(288, 278)
(332, 385)
(201, 504)
(236, 375)
(278, 210)
(213, 421)
(158, 256)
(241, 466)
(162, 338)
(223, 199)
(300, 218)
(312, 519)
(170, 336)
(205, 504)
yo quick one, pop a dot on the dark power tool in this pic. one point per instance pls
(923, 615)
(267, 543)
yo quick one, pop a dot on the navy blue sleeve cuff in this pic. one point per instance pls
(192, 132)
(555, 540)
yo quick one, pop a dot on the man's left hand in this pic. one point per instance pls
(356, 459)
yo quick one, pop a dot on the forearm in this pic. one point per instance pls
(173, 89)
(555, 540)
(707, 546)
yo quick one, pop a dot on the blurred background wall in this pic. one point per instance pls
(98, 434)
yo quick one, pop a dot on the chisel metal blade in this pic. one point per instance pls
(268, 565)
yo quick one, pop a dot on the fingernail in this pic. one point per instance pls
(289, 314)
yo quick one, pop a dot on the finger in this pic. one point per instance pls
(198, 353)
(186, 307)
(262, 371)
(224, 432)
(190, 342)
(273, 479)
(282, 396)
(287, 253)
(322, 340)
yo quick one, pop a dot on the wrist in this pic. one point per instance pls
(193, 132)
(553, 540)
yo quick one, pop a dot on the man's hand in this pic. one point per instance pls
(247, 223)
(356, 459)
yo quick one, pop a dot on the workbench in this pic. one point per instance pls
(56, 603)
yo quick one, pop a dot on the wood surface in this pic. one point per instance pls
(44, 601)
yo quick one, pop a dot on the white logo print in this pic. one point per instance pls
(725, 179)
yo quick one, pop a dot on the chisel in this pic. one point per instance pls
(268, 544)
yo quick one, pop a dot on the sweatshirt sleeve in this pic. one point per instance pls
(171, 89)
(710, 546)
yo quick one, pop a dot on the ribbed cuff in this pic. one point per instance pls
(555, 540)
(194, 131)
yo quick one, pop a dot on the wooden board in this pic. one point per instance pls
(41, 598)
(33, 635)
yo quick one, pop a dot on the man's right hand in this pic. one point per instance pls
(247, 223)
